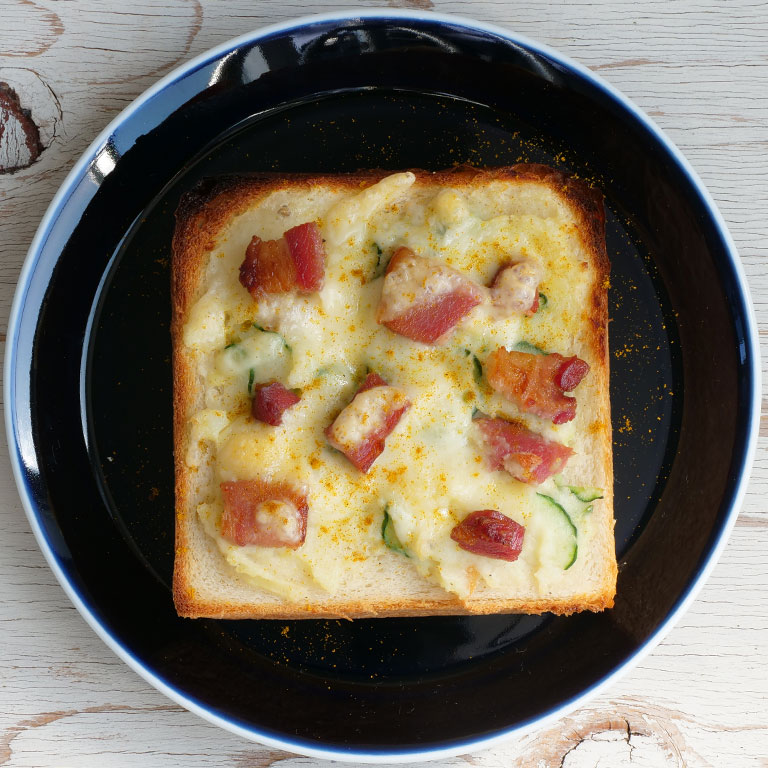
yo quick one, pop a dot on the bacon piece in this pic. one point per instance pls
(372, 380)
(270, 401)
(537, 383)
(264, 513)
(491, 534)
(362, 428)
(294, 261)
(515, 289)
(570, 373)
(308, 254)
(268, 268)
(424, 299)
(526, 455)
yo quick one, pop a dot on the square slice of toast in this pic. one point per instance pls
(391, 395)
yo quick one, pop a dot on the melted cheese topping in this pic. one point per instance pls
(278, 519)
(431, 473)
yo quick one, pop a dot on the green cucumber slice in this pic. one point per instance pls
(264, 330)
(531, 349)
(381, 262)
(258, 357)
(389, 535)
(477, 366)
(585, 493)
(336, 376)
(477, 370)
(561, 547)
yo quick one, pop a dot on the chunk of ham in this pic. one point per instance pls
(361, 429)
(490, 534)
(526, 455)
(537, 383)
(270, 401)
(296, 261)
(515, 289)
(424, 299)
(263, 513)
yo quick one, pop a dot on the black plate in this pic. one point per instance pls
(90, 390)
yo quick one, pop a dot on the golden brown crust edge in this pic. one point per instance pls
(201, 215)
(362, 610)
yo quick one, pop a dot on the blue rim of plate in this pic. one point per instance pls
(748, 353)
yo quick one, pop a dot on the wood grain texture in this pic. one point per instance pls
(700, 68)
(30, 115)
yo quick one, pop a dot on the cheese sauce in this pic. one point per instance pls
(431, 473)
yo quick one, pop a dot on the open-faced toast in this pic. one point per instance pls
(391, 395)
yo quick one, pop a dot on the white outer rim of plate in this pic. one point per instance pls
(352, 755)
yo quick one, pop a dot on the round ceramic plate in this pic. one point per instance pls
(88, 379)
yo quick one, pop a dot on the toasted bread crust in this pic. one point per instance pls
(201, 215)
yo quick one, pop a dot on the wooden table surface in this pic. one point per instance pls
(700, 69)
